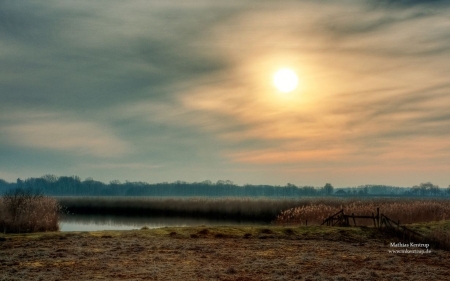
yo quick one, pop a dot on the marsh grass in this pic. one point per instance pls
(306, 210)
(437, 233)
(440, 238)
(239, 209)
(406, 211)
(23, 211)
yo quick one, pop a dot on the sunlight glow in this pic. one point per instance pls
(285, 80)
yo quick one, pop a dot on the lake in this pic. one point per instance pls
(97, 223)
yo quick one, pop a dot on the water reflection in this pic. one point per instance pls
(96, 223)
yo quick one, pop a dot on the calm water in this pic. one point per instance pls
(94, 223)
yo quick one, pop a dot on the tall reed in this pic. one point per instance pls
(404, 210)
(242, 209)
(22, 212)
(282, 211)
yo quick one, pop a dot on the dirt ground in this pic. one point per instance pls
(244, 254)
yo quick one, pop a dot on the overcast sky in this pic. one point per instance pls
(164, 90)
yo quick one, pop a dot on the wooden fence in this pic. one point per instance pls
(379, 220)
(394, 226)
(341, 219)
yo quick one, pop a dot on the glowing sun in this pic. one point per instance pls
(285, 80)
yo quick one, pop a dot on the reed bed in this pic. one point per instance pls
(36, 214)
(239, 209)
(280, 211)
(404, 210)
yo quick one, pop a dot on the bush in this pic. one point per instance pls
(25, 210)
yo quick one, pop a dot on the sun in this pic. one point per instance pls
(285, 80)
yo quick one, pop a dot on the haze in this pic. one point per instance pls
(182, 90)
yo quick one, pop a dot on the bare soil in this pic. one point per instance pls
(216, 253)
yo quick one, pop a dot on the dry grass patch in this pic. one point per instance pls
(156, 255)
(204, 231)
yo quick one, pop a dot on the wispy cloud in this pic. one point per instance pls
(188, 86)
(127, 166)
(58, 132)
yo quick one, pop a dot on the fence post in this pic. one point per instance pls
(373, 218)
(378, 216)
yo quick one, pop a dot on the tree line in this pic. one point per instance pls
(73, 186)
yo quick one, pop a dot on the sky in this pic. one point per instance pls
(159, 91)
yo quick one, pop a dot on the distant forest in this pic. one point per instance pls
(73, 186)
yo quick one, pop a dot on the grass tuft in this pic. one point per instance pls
(231, 270)
(203, 232)
(266, 231)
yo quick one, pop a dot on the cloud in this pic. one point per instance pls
(189, 84)
(56, 132)
(373, 79)
(413, 2)
(96, 54)
(121, 166)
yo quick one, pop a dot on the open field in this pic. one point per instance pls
(219, 253)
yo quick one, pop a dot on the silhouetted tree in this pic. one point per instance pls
(328, 188)
(428, 188)
(50, 178)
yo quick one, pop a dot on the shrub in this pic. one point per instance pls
(26, 210)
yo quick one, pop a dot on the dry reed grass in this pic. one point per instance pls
(26, 213)
(405, 210)
(242, 209)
